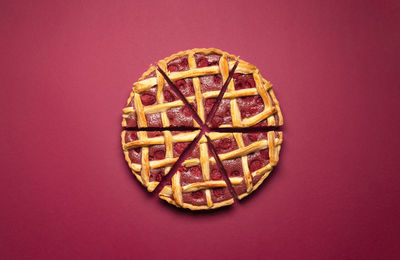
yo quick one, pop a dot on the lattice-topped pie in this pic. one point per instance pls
(199, 123)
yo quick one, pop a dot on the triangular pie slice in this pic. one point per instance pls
(249, 101)
(153, 103)
(150, 154)
(248, 158)
(198, 184)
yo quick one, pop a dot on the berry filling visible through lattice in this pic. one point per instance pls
(202, 89)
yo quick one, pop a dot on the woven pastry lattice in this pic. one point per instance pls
(200, 128)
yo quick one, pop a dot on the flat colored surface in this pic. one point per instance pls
(66, 71)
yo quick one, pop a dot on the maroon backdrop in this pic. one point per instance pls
(67, 69)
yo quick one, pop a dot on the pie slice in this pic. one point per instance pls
(153, 103)
(248, 158)
(198, 184)
(150, 154)
(248, 102)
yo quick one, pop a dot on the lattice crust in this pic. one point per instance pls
(198, 184)
(248, 158)
(199, 74)
(150, 155)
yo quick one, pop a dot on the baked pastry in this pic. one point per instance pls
(151, 154)
(198, 183)
(248, 158)
(200, 124)
(199, 74)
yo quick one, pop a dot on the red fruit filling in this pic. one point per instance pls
(131, 121)
(177, 117)
(168, 96)
(197, 194)
(156, 175)
(265, 153)
(250, 106)
(217, 80)
(218, 192)
(224, 145)
(151, 134)
(202, 62)
(206, 60)
(216, 174)
(233, 167)
(222, 115)
(178, 64)
(148, 98)
(179, 148)
(173, 68)
(135, 155)
(154, 120)
(217, 121)
(196, 171)
(253, 136)
(243, 81)
(130, 136)
(159, 155)
(210, 102)
(156, 152)
(182, 169)
(235, 173)
(185, 86)
(210, 83)
(186, 111)
(255, 165)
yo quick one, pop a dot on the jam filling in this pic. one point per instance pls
(210, 83)
(206, 60)
(178, 64)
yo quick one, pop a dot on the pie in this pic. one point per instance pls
(202, 128)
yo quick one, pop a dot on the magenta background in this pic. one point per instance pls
(67, 70)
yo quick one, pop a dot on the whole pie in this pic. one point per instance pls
(201, 128)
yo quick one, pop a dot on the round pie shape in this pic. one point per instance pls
(159, 126)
